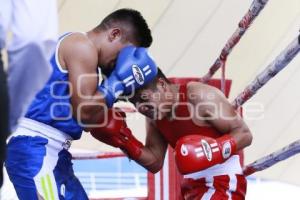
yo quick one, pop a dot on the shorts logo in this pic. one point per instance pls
(206, 149)
(184, 150)
(63, 190)
(138, 74)
(226, 151)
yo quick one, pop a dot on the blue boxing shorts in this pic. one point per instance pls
(39, 165)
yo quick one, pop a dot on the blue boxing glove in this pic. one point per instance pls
(134, 68)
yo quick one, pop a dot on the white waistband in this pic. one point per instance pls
(230, 166)
(31, 127)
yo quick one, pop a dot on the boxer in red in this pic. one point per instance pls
(202, 127)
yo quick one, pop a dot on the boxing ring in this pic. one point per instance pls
(165, 184)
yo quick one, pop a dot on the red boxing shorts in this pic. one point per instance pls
(221, 182)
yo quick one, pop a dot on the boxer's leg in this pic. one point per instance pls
(56, 179)
(38, 166)
(68, 185)
(225, 187)
(25, 157)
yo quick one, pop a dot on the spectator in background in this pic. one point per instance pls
(4, 130)
(34, 26)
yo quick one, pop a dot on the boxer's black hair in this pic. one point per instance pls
(133, 23)
(152, 85)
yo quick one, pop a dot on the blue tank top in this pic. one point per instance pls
(52, 105)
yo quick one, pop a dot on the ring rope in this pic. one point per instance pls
(254, 10)
(280, 62)
(97, 155)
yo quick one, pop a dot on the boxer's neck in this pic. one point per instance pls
(96, 38)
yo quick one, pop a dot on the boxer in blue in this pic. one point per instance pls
(38, 162)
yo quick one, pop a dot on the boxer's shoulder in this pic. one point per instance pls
(77, 46)
(194, 86)
(197, 91)
(78, 42)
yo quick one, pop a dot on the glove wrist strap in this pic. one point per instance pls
(228, 146)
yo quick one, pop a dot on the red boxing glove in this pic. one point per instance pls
(117, 134)
(194, 153)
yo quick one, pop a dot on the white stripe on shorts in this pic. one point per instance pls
(232, 185)
(210, 184)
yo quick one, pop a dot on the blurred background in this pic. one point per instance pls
(188, 37)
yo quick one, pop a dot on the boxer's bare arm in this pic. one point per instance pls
(215, 109)
(153, 154)
(79, 56)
